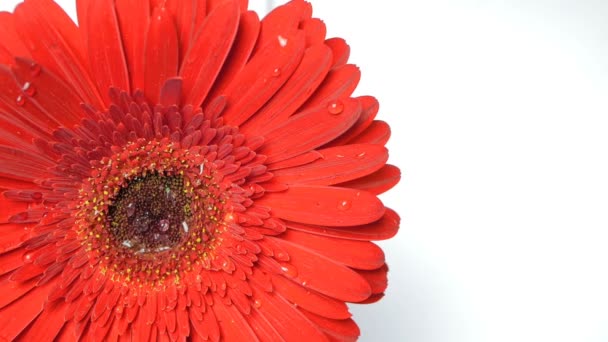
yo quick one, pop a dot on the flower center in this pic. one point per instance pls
(151, 214)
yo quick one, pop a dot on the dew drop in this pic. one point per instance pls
(335, 107)
(163, 225)
(20, 100)
(361, 155)
(276, 72)
(130, 209)
(289, 270)
(28, 89)
(35, 69)
(257, 303)
(28, 258)
(344, 205)
(282, 41)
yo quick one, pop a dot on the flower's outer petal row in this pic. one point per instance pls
(282, 21)
(206, 56)
(187, 14)
(378, 182)
(369, 110)
(340, 82)
(336, 165)
(338, 330)
(309, 74)
(382, 229)
(340, 51)
(11, 45)
(311, 129)
(263, 76)
(54, 41)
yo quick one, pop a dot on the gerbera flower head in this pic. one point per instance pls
(182, 169)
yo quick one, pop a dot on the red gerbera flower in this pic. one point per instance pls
(178, 168)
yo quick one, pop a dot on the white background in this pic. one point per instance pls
(499, 112)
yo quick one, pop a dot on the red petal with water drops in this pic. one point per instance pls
(330, 206)
(283, 21)
(310, 300)
(383, 229)
(340, 82)
(305, 79)
(336, 165)
(322, 274)
(54, 41)
(260, 79)
(308, 130)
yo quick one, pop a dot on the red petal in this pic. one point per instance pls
(336, 165)
(287, 320)
(383, 229)
(105, 51)
(205, 58)
(20, 313)
(133, 17)
(340, 51)
(12, 236)
(233, 325)
(340, 329)
(306, 78)
(377, 133)
(50, 95)
(310, 300)
(55, 42)
(378, 182)
(308, 130)
(340, 82)
(314, 29)
(283, 21)
(263, 329)
(377, 278)
(357, 254)
(369, 109)
(10, 260)
(185, 13)
(265, 73)
(162, 51)
(323, 275)
(249, 27)
(48, 324)
(10, 39)
(321, 205)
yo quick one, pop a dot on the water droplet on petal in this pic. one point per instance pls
(28, 258)
(20, 100)
(28, 89)
(282, 41)
(163, 225)
(35, 69)
(344, 205)
(361, 155)
(257, 303)
(289, 270)
(335, 107)
(130, 209)
(276, 72)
